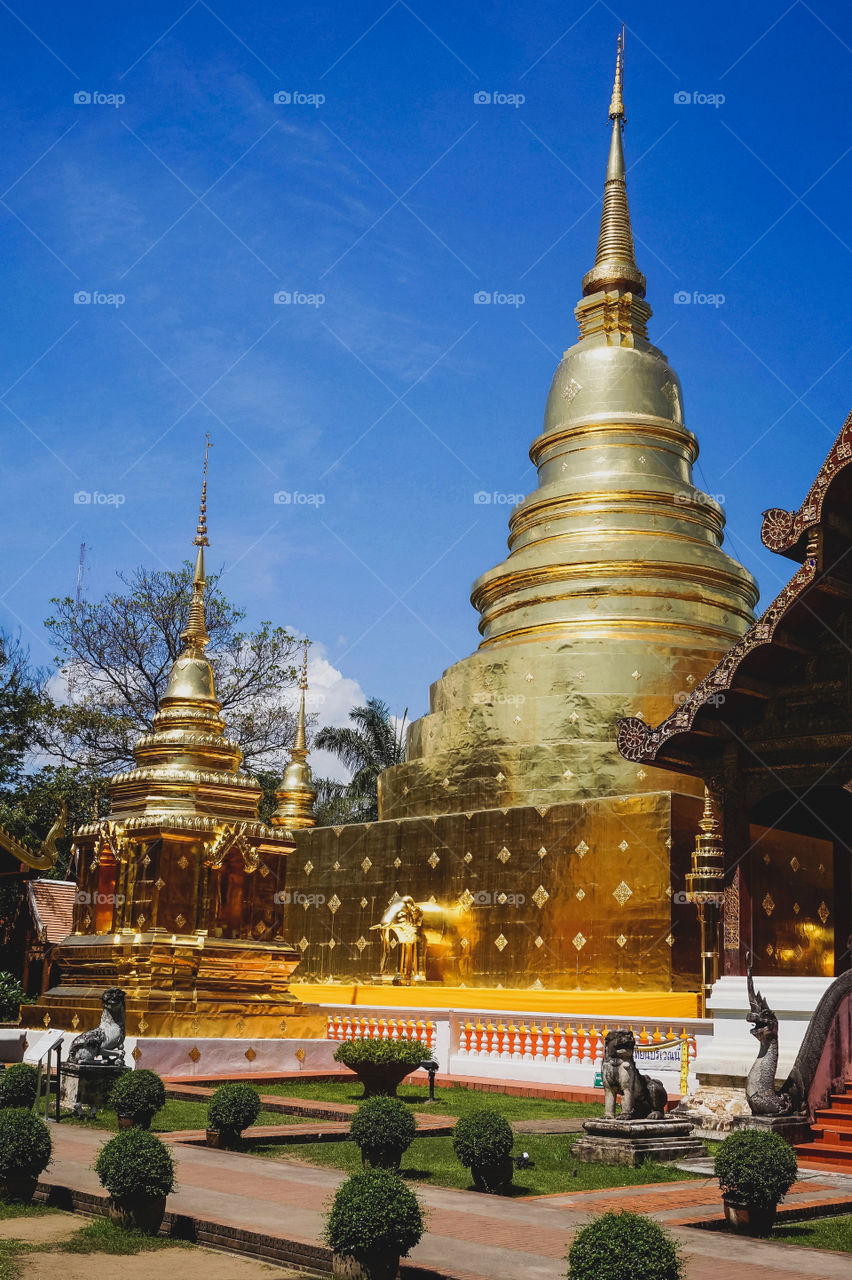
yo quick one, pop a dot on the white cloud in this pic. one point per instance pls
(331, 696)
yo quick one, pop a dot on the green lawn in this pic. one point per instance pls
(96, 1237)
(432, 1160)
(820, 1233)
(454, 1101)
(174, 1115)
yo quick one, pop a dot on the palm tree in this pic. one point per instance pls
(373, 743)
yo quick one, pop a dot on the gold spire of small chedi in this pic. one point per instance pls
(296, 795)
(705, 886)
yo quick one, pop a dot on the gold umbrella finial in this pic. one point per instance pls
(200, 539)
(616, 106)
(195, 636)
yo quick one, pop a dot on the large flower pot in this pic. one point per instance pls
(379, 1267)
(224, 1139)
(381, 1159)
(19, 1188)
(493, 1177)
(749, 1219)
(381, 1078)
(138, 1213)
(142, 1120)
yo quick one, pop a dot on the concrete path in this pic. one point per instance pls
(470, 1236)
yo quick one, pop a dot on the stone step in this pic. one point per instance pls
(830, 1133)
(842, 1101)
(843, 1118)
(822, 1152)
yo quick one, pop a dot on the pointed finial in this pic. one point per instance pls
(615, 262)
(616, 106)
(303, 680)
(195, 636)
(299, 743)
(296, 794)
(200, 539)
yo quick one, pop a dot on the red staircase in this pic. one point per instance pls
(832, 1129)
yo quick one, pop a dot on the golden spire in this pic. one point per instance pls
(296, 794)
(615, 262)
(195, 636)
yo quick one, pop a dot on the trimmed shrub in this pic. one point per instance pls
(18, 1085)
(138, 1094)
(11, 998)
(374, 1215)
(25, 1145)
(484, 1137)
(233, 1107)
(381, 1052)
(383, 1128)
(619, 1245)
(755, 1168)
(135, 1163)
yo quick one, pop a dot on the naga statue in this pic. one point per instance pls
(104, 1043)
(47, 854)
(643, 1097)
(792, 1098)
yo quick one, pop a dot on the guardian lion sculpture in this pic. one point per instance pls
(104, 1043)
(642, 1097)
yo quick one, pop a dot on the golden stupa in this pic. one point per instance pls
(556, 862)
(181, 890)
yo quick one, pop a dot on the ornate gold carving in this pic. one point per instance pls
(621, 893)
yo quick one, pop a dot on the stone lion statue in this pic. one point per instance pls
(642, 1097)
(104, 1043)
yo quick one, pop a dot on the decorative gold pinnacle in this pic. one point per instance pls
(705, 882)
(195, 636)
(615, 262)
(296, 794)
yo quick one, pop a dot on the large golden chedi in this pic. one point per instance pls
(558, 863)
(181, 890)
(616, 592)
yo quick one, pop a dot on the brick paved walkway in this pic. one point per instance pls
(470, 1236)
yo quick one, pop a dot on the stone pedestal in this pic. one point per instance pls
(793, 1129)
(86, 1086)
(632, 1142)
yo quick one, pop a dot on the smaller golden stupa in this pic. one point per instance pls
(296, 795)
(181, 890)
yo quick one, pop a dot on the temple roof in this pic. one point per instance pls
(51, 904)
(819, 536)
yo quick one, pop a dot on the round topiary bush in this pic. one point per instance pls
(375, 1219)
(233, 1107)
(619, 1245)
(136, 1163)
(381, 1064)
(483, 1142)
(755, 1168)
(383, 1128)
(138, 1095)
(25, 1144)
(18, 1085)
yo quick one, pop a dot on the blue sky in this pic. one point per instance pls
(396, 399)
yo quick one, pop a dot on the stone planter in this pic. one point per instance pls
(138, 1213)
(19, 1188)
(345, 1267)
(493, 1177)
(381, 1160)
(224, 1139)
(749, 1219)
(381, 1079)
(140, 1121)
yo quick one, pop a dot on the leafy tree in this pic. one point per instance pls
(30, 810)
(116, 654)
(20, 688)
(372, 744)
